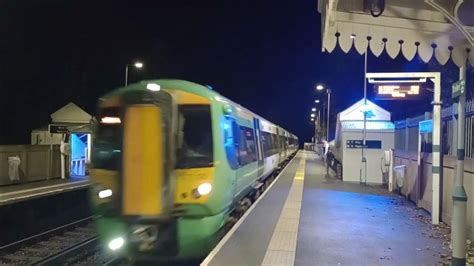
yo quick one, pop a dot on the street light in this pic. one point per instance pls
(313, 115)
(320, 87)
(137, 65)
(313, 109)
(317, 101)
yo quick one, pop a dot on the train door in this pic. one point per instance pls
(247, 158)
(281, 145)
(258, 139)
(148, 156)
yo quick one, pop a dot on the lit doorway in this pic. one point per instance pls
(80, 153)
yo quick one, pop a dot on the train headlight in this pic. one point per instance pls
(105, 193)
(153, 87)
(204, 189)
(116, 243)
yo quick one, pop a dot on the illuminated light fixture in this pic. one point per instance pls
(138, 64)
(353, 36)
(204, 189)
(116, 243)
(105, 193)
(320, 87)
(398, 91)
(153, 87)
(316, 101)
(313, 115)
(313, 109)
(110, 120)
(312, 119)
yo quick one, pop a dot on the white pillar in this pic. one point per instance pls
(436, 155)
(390, 171)
(418, 170)
(458, 223)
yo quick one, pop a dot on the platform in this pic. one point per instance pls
(309, 218)
(16, 193)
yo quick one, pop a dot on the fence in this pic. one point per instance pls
(418, 179)
(406, 132)
(37, 162)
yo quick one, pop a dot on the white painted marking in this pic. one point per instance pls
(41, 188)
(47, 192)
(229, 234)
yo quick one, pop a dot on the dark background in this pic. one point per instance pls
(265, 55)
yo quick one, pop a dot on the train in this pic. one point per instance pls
(174, 163)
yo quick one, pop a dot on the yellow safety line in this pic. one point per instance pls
(282, 247)
(231, 232)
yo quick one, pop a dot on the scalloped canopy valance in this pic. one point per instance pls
(430, 28)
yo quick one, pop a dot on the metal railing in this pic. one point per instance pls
(406, 131)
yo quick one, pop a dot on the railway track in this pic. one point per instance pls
(52, 247)
(71, 244)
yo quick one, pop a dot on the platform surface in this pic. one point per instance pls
(15, 193)
(310, 218)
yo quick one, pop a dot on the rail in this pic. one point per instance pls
(88, 245)
(25, 241)
(53, 246)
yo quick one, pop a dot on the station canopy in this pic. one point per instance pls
(74, 118)
(377, 118)
(442, 29)
(71, 113)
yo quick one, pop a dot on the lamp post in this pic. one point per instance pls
(314, 121)
(137, 65)
(320, 87)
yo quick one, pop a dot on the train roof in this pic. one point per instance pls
(187, 86)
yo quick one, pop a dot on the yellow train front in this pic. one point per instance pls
(172, 161)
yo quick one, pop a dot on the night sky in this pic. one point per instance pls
(265, 55)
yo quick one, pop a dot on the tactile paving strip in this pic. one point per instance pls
(282, 247)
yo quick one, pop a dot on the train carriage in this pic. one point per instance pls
(173, 161)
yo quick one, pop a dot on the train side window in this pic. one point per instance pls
(275, 145)
(266, 143)
(270, 144)
(247, 148)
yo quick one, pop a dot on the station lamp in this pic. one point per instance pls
(137, 65)
(320, 87)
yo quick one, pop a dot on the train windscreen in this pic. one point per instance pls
(108, 143)
(196, 132)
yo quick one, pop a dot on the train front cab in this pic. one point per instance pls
(146, 209)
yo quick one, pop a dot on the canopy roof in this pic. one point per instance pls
(356, 112)
(430, 28)
(71, 113)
